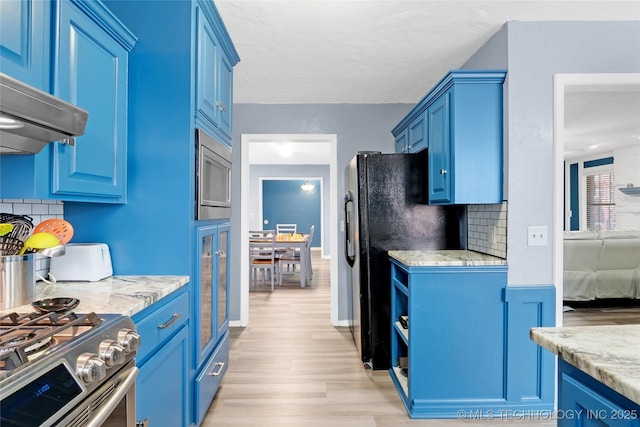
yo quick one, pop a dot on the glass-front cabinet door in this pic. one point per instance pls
(222, 256)
(211, 305)
(206, 287)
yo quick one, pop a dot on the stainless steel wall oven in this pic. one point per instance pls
(213, 178)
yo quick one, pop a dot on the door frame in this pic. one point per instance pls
(560, 84)
(332, 141)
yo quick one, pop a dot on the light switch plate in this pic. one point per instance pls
(537, 235)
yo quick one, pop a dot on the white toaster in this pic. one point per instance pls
(84, 262)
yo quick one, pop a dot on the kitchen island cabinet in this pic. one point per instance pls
(462, 116)
(453, 355)
(598, 376)
(90, 47)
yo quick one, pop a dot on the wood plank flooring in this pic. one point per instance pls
(291, 367)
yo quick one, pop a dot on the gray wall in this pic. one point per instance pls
(358, 127)
(295, 171)
(535, 51)
(532, 52)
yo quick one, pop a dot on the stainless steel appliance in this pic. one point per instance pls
(213, 178)
(67, 369)
(31, 118)
(386, 209)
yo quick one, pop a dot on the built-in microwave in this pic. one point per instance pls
(213, 178)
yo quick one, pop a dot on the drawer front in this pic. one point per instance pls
(209, 380)
(160, 324)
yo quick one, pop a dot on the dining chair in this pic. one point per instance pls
(280, 252)
(262, 258)
(286, 228)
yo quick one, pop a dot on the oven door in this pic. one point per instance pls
(113, 404)
(213, 182)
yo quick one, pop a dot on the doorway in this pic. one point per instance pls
(326, 142)
(564, 83)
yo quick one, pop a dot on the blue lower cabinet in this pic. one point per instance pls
(162, 387)
(161, 398)
(454, 359)
(585, 402)
(208, 381)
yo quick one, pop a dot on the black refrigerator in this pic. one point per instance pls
(386, 209)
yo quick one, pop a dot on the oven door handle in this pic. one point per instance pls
(112, 403)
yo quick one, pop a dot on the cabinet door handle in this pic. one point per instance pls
(220, 367)
(143, 423)
(443, 171)
(170, 322)
(221, 106)
(220, 253)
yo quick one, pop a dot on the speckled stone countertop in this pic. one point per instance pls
(114, 295)
(444, 258)
(608, 353)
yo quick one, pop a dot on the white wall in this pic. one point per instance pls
(626, 170)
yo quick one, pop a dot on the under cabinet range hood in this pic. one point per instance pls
(31, 118)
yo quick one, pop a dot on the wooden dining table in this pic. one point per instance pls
(297, 241)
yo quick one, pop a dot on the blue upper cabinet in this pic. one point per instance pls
(214, 75)
(25, 26)
(464, 129)
(413, 137)
(92, 72)
(439, 150)
(91, 48)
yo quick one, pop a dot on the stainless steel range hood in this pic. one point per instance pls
(31, 118)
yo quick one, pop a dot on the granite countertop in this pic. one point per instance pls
(114, 295)
(445, 258)
(608, 353)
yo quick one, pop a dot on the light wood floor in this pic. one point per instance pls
(291, 367)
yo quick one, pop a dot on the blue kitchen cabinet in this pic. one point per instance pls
(401, 141)
(163, 118)
(454, 315)
(414, 137)
(584, 401)
(91, 48)
(439, 161)
(211, 322)
(464, 350)
(25, 26)
(92, 72)
(214, 78)
(464, 135)
(162, 387)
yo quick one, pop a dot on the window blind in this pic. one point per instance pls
(601, 209)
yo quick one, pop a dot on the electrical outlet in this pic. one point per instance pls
(537, 235)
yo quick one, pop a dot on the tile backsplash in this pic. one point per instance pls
(487, 229)
(38, 210)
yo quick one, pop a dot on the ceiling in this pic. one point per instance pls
(377, 51)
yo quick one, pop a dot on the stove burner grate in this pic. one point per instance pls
(25, 336)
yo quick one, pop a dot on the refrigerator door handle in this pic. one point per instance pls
(349, 252)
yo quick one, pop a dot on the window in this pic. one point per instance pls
(601, 209)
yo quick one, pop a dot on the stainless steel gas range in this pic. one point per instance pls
(67, 370)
